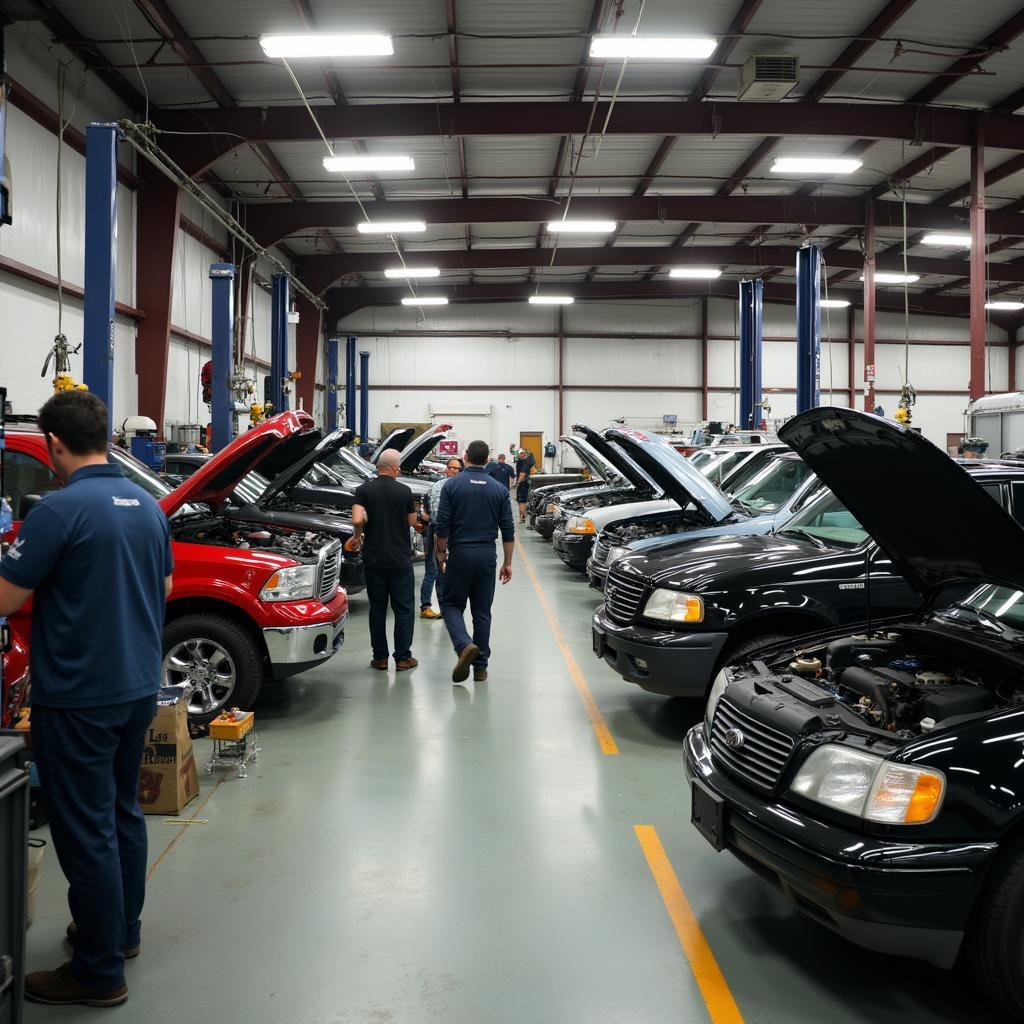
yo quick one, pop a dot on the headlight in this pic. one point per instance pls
(552, 508)
(293, 584)
(718, 687)
(580, 524)
(673, 606)
(869, 787)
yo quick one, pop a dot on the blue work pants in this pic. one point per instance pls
(470, 576)
(431, 577)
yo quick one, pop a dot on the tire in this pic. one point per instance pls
(218, 658)
(993, 947)
(741, 648)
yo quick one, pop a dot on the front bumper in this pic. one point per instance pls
(659, 660)
(293, 649)
(901, 898)
(545, 525)
(573, 548)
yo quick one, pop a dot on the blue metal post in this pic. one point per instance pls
(100, 262)
(350, 383)
(278, 341)
(808, 328)
(332, 384)
(223, 317)
(751, 353)
(364, 399)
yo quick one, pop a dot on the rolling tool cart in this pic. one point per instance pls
(235, 742)
(14, 788)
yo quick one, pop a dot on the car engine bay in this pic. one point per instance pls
(622, 533)
(302, 545)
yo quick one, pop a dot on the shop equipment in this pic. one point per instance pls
(808, 328)
(140, 434)
(14, 797)
(751, 349)
(235, 741)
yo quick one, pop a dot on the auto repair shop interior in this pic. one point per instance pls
(745, 280)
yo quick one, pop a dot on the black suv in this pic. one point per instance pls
(876, 777)
(676, 612)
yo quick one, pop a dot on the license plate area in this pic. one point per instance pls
(707, 814)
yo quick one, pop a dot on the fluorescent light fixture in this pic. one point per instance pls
(652, 47)
(695, 273)
(834, 303)
(551, 300)
(883, 278)
(390, 227)
(815, 165)
(326, 44)
(407, 272)
(1006, 307)
(369, 163)
(425, 300)
(583, 227)
(961, 241)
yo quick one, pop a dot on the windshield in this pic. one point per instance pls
(145, 478)
(828, 521)
(719, 464)
(1000, 603)
(250, 489)
(345, 468)
(769, 489)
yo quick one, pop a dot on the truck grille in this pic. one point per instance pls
(330, 570)
(622, 595)
(761, 756)
(601, 552)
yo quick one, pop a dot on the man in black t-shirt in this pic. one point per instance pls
(384, 511)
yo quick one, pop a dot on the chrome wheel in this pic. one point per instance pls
(206, 669)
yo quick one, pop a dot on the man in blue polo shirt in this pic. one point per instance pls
(96, 558)
(473, 508)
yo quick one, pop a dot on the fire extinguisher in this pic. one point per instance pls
(206, 378)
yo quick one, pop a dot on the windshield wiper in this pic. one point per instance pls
(745, 506)
(800, 532)
(987, 617)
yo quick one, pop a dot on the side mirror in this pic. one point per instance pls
(28, 502)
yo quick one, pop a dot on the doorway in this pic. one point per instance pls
(532, 441)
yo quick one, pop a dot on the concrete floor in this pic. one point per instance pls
(407, 851)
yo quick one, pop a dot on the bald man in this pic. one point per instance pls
(383, 513)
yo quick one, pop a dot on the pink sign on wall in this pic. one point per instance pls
(448, 448)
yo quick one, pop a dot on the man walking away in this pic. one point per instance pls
(96, 555)
(431, 578)
(384, 511)
(502, 471)
(524, 467)
(472, 510)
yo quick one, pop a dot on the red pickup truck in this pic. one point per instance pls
(248, 601)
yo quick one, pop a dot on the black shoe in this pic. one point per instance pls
(461, 671)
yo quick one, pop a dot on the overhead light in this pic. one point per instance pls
(369, 163)
(815, 165)
(425, 300)
(407, 272)
(1006, 307)
(583, 227)
(883, 278)
(958, 241)
(695, 273)
(652, 47)
(390, 227)
(834, 303)
(551, 300)
(326, 44)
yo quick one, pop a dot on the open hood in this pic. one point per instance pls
(935, 523)
(416, 451)
(675, 475)
(397, 439)
(285, 474)
(285, 436)
(599, 468)
(622, 464)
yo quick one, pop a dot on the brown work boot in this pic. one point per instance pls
(405, 664)
(461, 671)
(429, 613)
(62, 988)
(380, 664)
(72, 934)
(479, 675)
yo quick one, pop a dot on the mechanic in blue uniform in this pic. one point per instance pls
(96, 558)
(524, 467)
(473, 508)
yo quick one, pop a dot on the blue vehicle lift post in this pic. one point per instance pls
(751, 353)
(364, 400)
(350, 383)
(808, 328)
(278, 341)
(223, 322)
(332, 384)
(100, 262)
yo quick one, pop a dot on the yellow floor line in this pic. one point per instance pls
(184, 828)
(721, 1006)
(604, 737)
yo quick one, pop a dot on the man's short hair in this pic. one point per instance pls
(477, 453)
(78, 419)
(390, 457)
(522, 451)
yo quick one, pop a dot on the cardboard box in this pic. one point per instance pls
(169, 780)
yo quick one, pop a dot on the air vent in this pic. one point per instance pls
(768, 78)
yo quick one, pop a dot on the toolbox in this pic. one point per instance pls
(14, 792)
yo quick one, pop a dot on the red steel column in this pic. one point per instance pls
(851, 355)
(977, 263)
(869, 306)
(307, 349)
(159, 205)
(704, 358)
